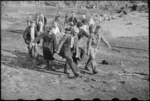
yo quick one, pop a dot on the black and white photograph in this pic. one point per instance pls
(75, 50)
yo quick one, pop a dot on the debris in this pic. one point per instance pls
(83, 88)
(123, 82)
(104, 82)
(55, 81)
(87, 80)
(96, 86)
(93, 79)
(120, 63)
(82, 72)
(116, 50)
(92, 86)
(72, 87)
(130, 23)
(114, 88)
(62, 76)
(104, 62)
(104, 90)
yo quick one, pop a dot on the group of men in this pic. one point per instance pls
(65, 43)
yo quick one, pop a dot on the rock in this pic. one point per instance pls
(123, 82)
(104, 82)
(82, 72)
(92, 86)
(113, 88)
(104, 62)
(83, 88)
(130, 23)
(104, 90)
(93, 79)
(6, 14)
(56, 81)
(72, 87)
(62, 76)
(87, 80)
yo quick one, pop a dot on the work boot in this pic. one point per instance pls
(95, 71)
(77, 75)
(66, 72)
(86, 68)
(50, 67)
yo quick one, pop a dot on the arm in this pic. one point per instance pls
(105, 41)
(25, 33)
(77, 48)
(37, 18)
(89, 44)
(61, 43)
(75, 20)
(58, 32)
(43, 19)
(55, 43)
(98, 40)
(87, 22)
(70, 19)
(84, 33)
(39, 37)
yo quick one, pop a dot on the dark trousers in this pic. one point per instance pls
(69, 62)
(81, 57)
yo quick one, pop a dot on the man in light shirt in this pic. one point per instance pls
(57, 32)
(92, 47)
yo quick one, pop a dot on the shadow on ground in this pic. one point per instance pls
(23, 61)
(17, 31)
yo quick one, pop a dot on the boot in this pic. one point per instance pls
(86, 68)
(76, 75)
(95, 71)
(66, 71)
(50, 67)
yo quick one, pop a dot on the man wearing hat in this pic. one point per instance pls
(68, 42)
(73, 19)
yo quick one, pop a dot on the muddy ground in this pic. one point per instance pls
(125, 77)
